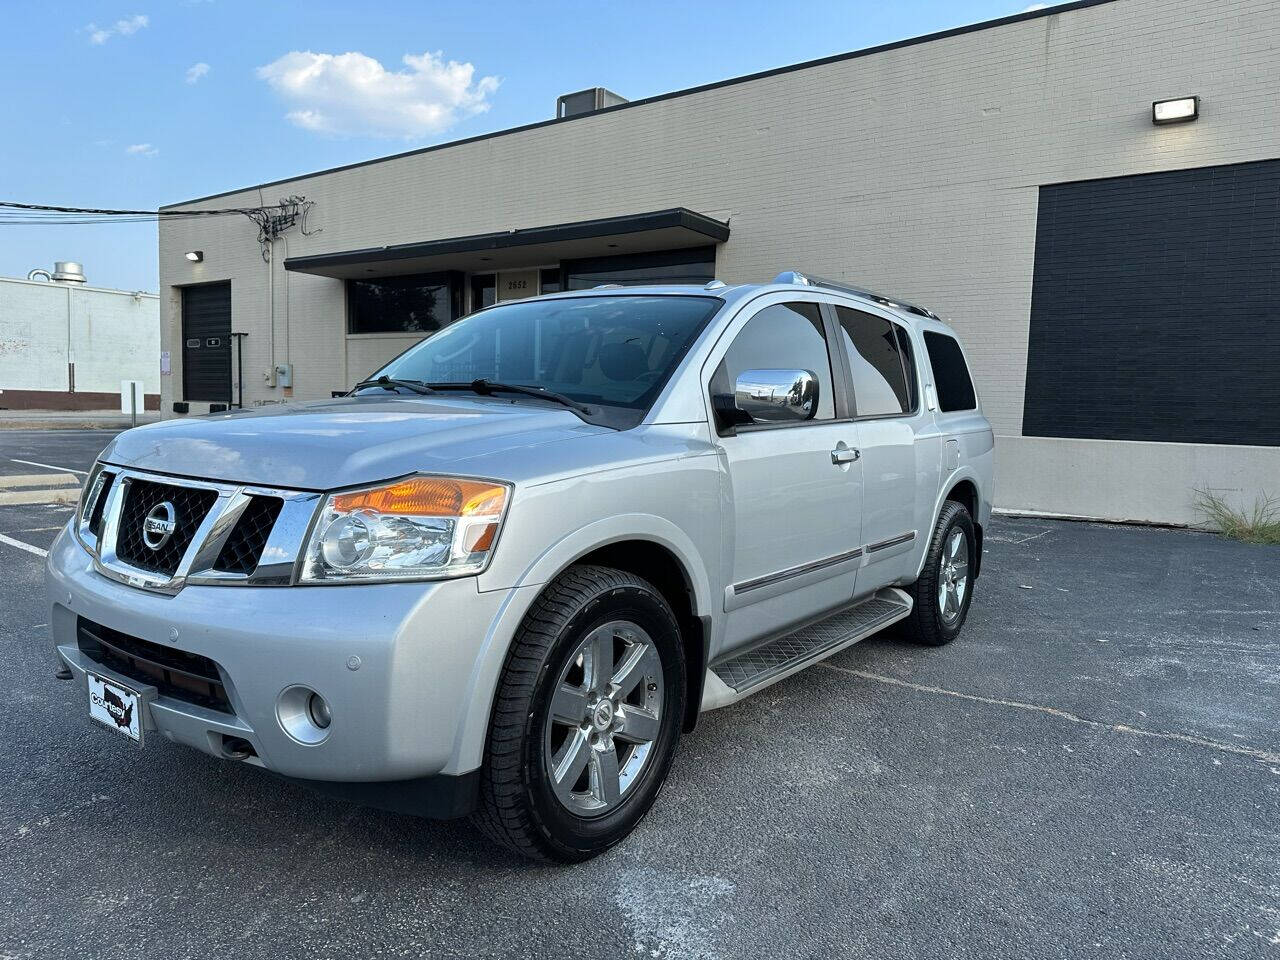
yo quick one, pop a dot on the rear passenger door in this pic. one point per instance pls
(895, 437)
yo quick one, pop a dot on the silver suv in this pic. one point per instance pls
(502, 576)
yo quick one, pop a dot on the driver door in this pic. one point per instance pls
(792, 490)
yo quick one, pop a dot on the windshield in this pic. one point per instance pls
(614, 351)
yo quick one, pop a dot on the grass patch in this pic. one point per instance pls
(1257, 524)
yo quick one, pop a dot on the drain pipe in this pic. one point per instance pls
(271, 299)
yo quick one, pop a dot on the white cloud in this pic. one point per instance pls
(125, 27)
(350, 93)
(196, 71)
(141, 150)
(1036, 6)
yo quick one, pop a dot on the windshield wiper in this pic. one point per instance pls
(390, 383)
(487, 387)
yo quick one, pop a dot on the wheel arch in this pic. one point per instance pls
(649, 547)
(961, 487)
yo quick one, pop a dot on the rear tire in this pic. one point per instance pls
(586, 717)
(945, 588)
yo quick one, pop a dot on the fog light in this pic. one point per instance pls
(303, 714)
(318, 710)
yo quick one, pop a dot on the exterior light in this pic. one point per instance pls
(1175, 111)
(195, 256)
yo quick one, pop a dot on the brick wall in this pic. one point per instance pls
(915, 170)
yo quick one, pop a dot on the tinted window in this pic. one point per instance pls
(614, 351)
(484, 291)
(415, 304)
(694, 266)
(785, 336)
(881, 385)
(950, 375)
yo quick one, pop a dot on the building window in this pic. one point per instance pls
(484, 291)
(417, 304)
(882, 368)
(549, 280)
(693, 266)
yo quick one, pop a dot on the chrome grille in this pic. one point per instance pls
(98, 507)
(243, 549)
(224, 534)
(190, 505)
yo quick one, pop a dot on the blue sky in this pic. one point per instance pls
(138, 103)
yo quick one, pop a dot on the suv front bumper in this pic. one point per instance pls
(394, 661)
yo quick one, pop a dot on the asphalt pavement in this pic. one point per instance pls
(1091, 770)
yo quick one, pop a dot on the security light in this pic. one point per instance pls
(1175, 111)
(195, 256)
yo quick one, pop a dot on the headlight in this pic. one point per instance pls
(422, 528)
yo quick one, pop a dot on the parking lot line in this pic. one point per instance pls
(48, 466)
(19, 497)
(38, 479)
(1266, 756)
(23, 546)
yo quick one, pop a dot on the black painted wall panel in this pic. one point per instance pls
(1155, 310)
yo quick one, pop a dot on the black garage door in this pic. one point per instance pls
(1155, 310)
(206, 342)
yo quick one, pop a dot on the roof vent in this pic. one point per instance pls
(586, 101)
(68, 271)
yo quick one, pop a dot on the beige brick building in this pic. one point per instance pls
(1009, 176)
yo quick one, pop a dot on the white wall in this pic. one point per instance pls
(109, 335)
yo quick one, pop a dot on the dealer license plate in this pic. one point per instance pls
(115, 707)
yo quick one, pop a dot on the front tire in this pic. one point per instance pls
(586, 717)
(945, 588)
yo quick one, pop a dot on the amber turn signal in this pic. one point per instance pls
(428, 497)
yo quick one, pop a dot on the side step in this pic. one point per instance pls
(744, 673)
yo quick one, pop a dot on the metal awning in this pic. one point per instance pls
(673, 229)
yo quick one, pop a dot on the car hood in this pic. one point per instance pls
(344, 442)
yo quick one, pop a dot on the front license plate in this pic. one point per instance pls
(115, 707)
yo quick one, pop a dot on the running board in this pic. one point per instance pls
(742, 674)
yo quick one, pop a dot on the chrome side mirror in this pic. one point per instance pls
(777, 396)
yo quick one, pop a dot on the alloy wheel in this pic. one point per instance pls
(953, 576)
(605, 714)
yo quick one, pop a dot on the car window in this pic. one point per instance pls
(950, 374)
(882, 383)
(609, 350)
(785, 336)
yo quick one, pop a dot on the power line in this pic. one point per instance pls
(271, 220)
(41, 210)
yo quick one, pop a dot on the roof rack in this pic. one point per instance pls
(795, 276)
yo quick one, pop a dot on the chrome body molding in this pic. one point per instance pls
(739, 588)
(891, 542)
(801, 569)
(276, 567)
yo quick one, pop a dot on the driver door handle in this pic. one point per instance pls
(845, 455)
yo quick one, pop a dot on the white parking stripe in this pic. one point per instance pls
(47, 466)
(66, 495)
(23, 546)
(38, 480)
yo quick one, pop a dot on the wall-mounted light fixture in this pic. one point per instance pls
(1175, 111)
(195, 256)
